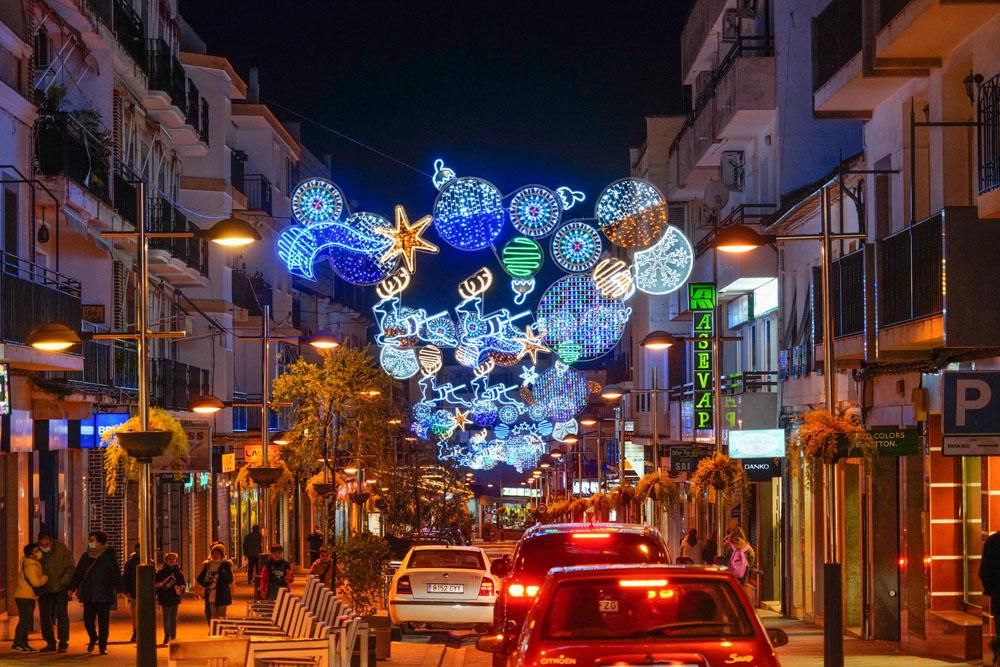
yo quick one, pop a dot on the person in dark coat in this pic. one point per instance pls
(97, 581)
(216, 577)
(53, 603)
(324, 567)
(989, 573)
(170, 586)
(252, 545)
(315, 541)
(128, 578)
(276, 573)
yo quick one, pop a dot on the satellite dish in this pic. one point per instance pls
(716, 196)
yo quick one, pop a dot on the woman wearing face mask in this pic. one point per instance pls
(30, 581)
(170, 586)
(216, 577)
(97, 582)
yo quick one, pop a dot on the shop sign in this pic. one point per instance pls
(893, 441)
(520, 492)
(229, 462)
(762, 470)
(93, 429)
(198, 458)
(685, 459)
(635, 455)
(702, 298)
(252, 454)
(629, 426)
(4, 390)
(757, 443)
(971, 423)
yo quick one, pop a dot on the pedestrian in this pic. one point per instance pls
(170, 586)
(709, 551)
(740, 556)
(315, 541)
(691, 548)
(324, 567)
(251, 551)
(989, 573)
(276, 573)
(97, 582)
(128, 578)
(216, 577)
(30, 582)
(53, 603)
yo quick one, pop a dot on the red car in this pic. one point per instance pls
(682, 616)
(561, 545)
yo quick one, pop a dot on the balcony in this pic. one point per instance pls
(107, 365)
(173, 385)
(258, 191)
(184, 262)
(14, 73)
(65, 148)
(698, 46)
(32, 295)
(737, 101)
(923, 30)
(251, 293)
(850, 293)
(173, 100)
(932, 290)
(988, 134)
(126, 26)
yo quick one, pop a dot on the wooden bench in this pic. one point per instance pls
(970, 626)
(228, 652)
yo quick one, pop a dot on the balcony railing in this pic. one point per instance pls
(203, 122)
(836, 39)
(910, 273)
(847, 284)
(165, 72)
(237, 168)
(124, 194)
(65, 148)
(741, 215)
(125, 24)
(173, 385)
(251, 292)
(32, 295)
(109, 364)
(192, 114)
(258, 191)
(988, 118)
(166, 218)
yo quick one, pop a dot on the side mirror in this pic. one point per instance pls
(777, 636)
(491, 643)
(500, 568)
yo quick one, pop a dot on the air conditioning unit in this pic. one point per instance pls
(747, 8)
(731, 25)
(731, 170)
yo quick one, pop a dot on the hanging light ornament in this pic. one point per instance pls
(632, 213)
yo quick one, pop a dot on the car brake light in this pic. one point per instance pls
(522, 591)
(486, 588)
(591, 536)
(642, 583)
(403, 585)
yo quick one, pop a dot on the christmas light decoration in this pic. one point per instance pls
(476, 284)
(594, 386)
(527, 396)
(666, 266)
(529, 375)
(531, 345)
(360, 263)
(575, 317)
(399, 364)
(521, 257)
(522, 288)
(569, 197)
(394, 284)
(442, 174)
(317, 200)
(508, 414)
(613, 278)
(484, 412)
(469, 213)
(535, 211)
(501, 431)
(407, 240)
(563, 391)
(563, 430)
(430, 359)
(576, 246)
(632, 213)
(461, 418)
(538, 411)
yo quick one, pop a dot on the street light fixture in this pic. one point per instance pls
(588, 421)
(739, 239)
(556, 454)
(658, 340)
(206, 405)
(231, 232)
(612, 392)
(323, 340)
(349, 470)
(280, 438)
(53, 337)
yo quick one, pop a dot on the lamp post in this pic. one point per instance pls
(740, 239)
(53, 338)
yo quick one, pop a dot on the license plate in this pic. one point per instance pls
(445, 588)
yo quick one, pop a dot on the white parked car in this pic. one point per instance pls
(443, 587)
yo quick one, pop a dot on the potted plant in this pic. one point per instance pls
(622, 497)
(825, 438)
(600, 503)
(577, 508)
(719, 472)
(658, 487)
(127, 444)
(248, 476)
(360, 563)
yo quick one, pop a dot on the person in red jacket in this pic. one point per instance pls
(276, 573)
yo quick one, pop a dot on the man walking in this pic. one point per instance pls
(315, 541)
(57, 565)
(251, 551)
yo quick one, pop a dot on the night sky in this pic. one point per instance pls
(516, 92)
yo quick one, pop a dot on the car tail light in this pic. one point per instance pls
(642, 583)
(522, 590)
(486, 588)
(403, 585)
(591, 536)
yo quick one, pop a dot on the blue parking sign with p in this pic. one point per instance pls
(972, 403)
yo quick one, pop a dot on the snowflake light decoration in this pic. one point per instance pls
(400, 364)
(664, 267)
(563, 391)
(575, 318)
(521, 257)
(632, 213)
(469, 213)
(576, 246)
(317, 200)
(535, 211)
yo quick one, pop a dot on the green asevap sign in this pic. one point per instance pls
(893, 441)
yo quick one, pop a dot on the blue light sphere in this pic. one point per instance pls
(563, 391)
(469, 213)
(484, 412)
(355, 255)
(578, 322)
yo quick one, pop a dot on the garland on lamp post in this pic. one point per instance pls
(825, 438)
(118, 454)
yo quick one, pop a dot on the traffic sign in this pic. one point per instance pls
(971, 424)
(542, 509)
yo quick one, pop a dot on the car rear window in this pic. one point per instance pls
(651, 608)
(447, 558)
(541, 553)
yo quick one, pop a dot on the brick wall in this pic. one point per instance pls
(105, 513)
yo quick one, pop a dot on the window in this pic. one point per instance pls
(451, 559)
(972, 481)
(42, 44)
(988, 116)
(540, 554)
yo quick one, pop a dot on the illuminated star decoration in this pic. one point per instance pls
(461, 418)
(531, 345)
(407, 239)
(529, 375)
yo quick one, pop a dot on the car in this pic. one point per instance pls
(695, 616)
(544, 547)
(443, 586)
